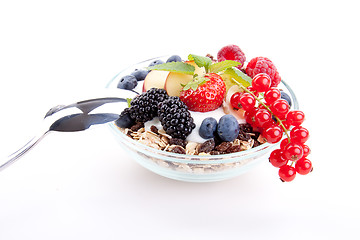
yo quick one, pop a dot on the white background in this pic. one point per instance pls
(83, 186)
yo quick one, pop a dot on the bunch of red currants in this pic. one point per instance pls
(266, 111)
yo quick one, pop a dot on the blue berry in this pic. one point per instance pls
(174, 58)
(228, 128)
(125, 120)
(127, 82)
(208, 128)
(140, 74)
(286, 97)
(156, 62)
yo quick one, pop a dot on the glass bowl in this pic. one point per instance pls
(191, 168)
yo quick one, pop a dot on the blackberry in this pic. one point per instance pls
(175, 118)
(144, 107)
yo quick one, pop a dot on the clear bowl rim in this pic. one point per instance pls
(196, 159)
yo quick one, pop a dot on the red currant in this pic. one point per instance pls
(262, 106)
(261, 82)
(247, 101)
(262, 117)
(273, 134)
(306, 149)
(283, 143)
(287, 173)
(296, 118)
(286, 124)
(251, 89)
(293, 151)
(269, 124)
(299, 134)
(280, 108)
(276, 158)
(272, 95)
(234, 100)
(303, 166)
(272, 116)
(249, 115)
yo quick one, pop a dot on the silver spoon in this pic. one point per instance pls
(70, 118)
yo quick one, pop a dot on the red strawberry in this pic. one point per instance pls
(204, 94)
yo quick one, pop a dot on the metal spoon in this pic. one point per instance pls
(70, 118)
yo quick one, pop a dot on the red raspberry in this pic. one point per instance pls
(263, 65)
(231, 52)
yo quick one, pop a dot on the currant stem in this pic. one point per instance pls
(292, 164)
(266, 107)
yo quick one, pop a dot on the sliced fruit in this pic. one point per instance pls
(238, 114)
(238, 75)
(155, 79)
(175, 81)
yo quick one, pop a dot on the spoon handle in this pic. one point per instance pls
(19, 153)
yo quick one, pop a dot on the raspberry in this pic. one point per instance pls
(231, 52)
(263, 65)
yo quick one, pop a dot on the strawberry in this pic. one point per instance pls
(204, 94)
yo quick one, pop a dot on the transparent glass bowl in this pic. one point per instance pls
(191, 168)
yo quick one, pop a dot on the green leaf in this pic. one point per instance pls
(221, 66)
(179, 67)
(201, 61)
(195, 83)
(129, 101)
(239, 76)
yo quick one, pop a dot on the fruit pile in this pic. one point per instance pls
(174, 89)
(272, 116)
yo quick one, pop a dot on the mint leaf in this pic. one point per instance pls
(221, 66)
(201, 61)
(195, 83)
(128, 100)
(239, 76)
(179, 67)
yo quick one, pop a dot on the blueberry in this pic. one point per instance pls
(156, 62)
(228, 128)
(127, 82)
(286, 97)
(208, 128)
(124, 120)
(140, 74)
(174, 58)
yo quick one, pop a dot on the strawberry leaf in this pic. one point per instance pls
(221, 66)
(179, 67)
(201, 61)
